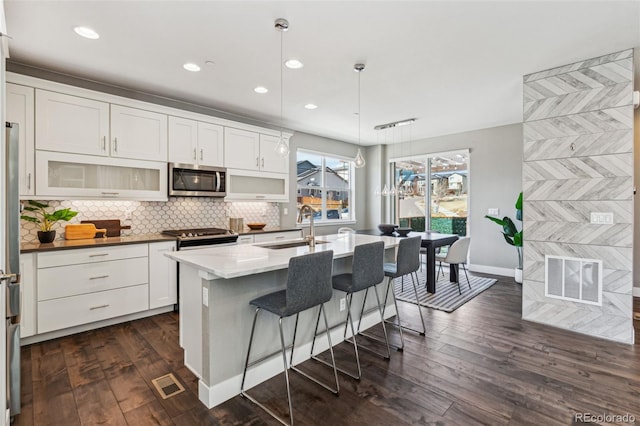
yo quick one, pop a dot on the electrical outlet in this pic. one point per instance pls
(343, 304)
(493, 212)
(205, 296)
(285, 211)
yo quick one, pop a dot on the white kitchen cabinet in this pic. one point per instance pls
(138, 134)
(27, 294)
(195, 142)
(253, 151)
(77, 125)
(76, 287)
(270, 161)
(277, 236)
(241, 149)
(247, 185)
(21, 109)
(66, 123)
(245, 239)
(82, 176)
(163, 287)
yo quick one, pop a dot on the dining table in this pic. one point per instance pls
(430, 242)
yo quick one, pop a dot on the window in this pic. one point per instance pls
(326, 184)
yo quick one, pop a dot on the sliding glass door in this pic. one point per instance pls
(440, 181)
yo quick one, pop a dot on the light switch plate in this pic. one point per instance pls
(205, 296)
(602, 218)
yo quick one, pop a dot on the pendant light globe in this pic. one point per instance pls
(359, 160)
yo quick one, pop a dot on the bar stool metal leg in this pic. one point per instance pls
(369, 336)
(348, 322)
(397, 323)
(333, 361)
(244, 393)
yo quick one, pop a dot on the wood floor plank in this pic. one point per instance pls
(150, 414)
(97, 405)
(481, 364)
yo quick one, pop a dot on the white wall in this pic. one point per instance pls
(495, 182)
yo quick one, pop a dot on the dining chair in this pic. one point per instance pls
(456, 255)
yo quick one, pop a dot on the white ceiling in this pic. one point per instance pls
(455, 66)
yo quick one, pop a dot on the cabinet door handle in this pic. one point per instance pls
(194, 153)
(100, 277)
(110, 193)
(29, 181)
(260, 196)
(257, 161)
(115, 144)
(93, 308)
(104, 143)
(99, 254)
(201, 154)
(262, 161)
(280, 237)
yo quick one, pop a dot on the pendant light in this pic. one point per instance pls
(282, 149)
(359, 161)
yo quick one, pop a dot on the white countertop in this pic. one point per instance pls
(248, 259)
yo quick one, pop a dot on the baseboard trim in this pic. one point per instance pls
(484, 269)
(227, 389)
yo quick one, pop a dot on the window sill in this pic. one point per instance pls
(326, 223)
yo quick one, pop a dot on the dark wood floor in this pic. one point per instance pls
(480, 364)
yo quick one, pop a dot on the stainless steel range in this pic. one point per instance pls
(199, 237)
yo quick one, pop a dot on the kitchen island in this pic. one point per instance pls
(216, 285)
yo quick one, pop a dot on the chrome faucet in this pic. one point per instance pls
(311, 237)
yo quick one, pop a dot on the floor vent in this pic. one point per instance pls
(167, 386)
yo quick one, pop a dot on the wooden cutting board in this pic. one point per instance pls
(112, 226)
(81, 231)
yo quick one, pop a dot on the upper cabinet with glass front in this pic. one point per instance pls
(253, 151)
(66, 123)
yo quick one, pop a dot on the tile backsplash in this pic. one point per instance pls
(148, 217)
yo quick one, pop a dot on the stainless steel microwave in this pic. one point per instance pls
(190, 180)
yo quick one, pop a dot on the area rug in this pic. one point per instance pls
(446, 297)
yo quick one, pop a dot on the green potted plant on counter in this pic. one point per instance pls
(46, 220)
(511, 234)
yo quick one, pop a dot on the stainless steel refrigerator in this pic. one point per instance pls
(10, 231)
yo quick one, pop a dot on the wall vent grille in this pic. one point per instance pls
(574, 279)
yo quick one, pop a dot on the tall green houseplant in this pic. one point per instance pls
(510, 232)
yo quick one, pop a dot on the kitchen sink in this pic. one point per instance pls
(290, 244)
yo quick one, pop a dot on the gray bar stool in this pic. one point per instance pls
(366, 273)
(407, 263)
(308, 285)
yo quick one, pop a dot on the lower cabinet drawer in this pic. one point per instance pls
(67, 312)
(74, 280)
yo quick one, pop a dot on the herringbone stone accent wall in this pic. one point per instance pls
(578, 159)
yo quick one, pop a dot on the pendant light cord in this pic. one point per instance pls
(359, 95)
(281, 86)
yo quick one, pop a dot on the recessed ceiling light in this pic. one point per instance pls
(311, 106)
(190, 66)
(87, 32)
(293, 64)
(260, 89)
